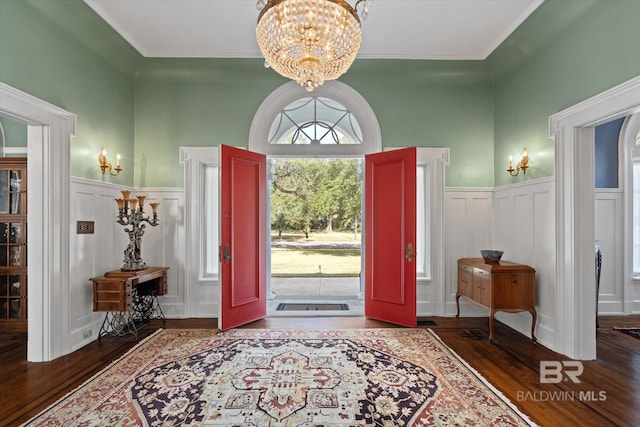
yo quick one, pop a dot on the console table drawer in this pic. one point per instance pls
(110, 295)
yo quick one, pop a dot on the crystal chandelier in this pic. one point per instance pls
(310, 41)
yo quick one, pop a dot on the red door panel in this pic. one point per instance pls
(242, 237)
(390, 234)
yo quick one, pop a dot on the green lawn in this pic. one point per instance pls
(305, 262)
(316, 236)
(302, 261)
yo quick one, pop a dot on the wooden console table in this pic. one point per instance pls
(129, 297)
(506, 286)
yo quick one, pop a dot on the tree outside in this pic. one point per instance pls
(316, 217)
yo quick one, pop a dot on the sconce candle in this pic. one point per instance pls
(105, 165)
(132, 216)
(522, 165)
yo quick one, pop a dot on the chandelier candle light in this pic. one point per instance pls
(310, 41)
(131, 213)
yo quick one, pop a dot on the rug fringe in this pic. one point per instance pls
(93, 377)
(486, 382)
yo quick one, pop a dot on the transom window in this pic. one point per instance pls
(315, 120)
(336, 121)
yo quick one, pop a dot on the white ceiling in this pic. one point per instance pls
(397, 29)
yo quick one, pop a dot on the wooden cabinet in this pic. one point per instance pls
(505, 286)
(13, 243)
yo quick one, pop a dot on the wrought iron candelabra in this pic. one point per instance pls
(131, 214)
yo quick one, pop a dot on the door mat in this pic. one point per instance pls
(311, 307)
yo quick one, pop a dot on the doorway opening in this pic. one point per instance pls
(336, 122)
(315, 236)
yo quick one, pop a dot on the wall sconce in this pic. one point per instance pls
(106, 164)
(521, 166)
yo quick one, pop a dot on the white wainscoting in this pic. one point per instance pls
(468, 229)
(609, 219)
(517, 219)
(91, 255)
(164, 245)
(523, 220)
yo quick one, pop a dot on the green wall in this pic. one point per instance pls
(197, 102)
(566, 52)
(62, 52)
(15, 133)
(433, 104)
(146, 108)
(193, 103)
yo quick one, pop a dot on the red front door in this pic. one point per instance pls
(242, 237)
(390, 236)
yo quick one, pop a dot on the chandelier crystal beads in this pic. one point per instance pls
(310, 41)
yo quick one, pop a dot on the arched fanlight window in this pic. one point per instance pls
(315, 120)
(335, 122)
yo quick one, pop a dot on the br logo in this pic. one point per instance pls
(554, 372)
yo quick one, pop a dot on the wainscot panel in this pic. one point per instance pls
(524, 221)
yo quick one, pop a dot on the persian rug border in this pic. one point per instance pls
(483, 380)
(389, 343)
(97, 374)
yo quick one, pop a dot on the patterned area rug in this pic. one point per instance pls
(633, 332)
(254, 377)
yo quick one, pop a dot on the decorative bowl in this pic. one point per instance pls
(491, 256)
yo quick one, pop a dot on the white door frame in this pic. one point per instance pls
(271, 295)
(50, 129)
(626, 147)
(573, 131)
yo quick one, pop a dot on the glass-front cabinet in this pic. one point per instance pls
(13, 243)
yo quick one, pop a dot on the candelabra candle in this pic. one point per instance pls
(134, 221)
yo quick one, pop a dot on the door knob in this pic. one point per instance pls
(409, 254)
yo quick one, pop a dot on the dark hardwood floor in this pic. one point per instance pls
(608, 394)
